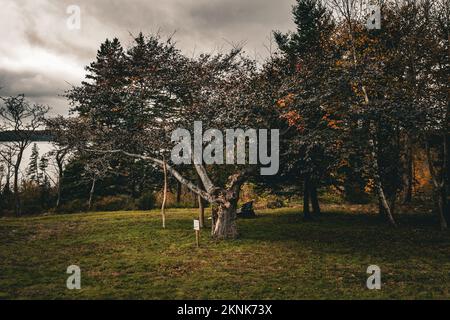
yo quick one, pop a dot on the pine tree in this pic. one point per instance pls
(44, 182)
(43, 165)
(107, 77)
(308, 59)
(33, 166)
(314, 25)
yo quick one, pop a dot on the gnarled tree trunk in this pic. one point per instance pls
(225, 225)
(213, 217)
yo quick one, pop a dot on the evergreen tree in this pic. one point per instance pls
(305, 93)
(43, 165)
(314, 25)
(33, 166)
(45, 186)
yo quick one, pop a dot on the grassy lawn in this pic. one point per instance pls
(278, 256)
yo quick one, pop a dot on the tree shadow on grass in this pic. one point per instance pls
(417, 237)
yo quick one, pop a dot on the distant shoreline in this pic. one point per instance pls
(37, 136)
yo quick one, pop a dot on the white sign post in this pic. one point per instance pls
(197, 232)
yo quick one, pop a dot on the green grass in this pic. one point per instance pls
(277, 256)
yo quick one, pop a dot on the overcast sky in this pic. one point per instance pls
(40, 55)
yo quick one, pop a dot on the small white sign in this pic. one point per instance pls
(197, 225)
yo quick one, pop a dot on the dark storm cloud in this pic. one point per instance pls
(35, 85)
(223, 14)
(39, 54)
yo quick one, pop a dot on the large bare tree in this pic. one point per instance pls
(132, 102)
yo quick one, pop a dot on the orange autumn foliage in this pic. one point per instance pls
(294, 119)
(332, 123)
(286, 101)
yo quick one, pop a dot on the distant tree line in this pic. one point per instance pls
(38, 136)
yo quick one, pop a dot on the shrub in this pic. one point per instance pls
(34, 199)
(74, 206)
(332, 196)
(114, 203)
(146, 202)
(182, 205)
